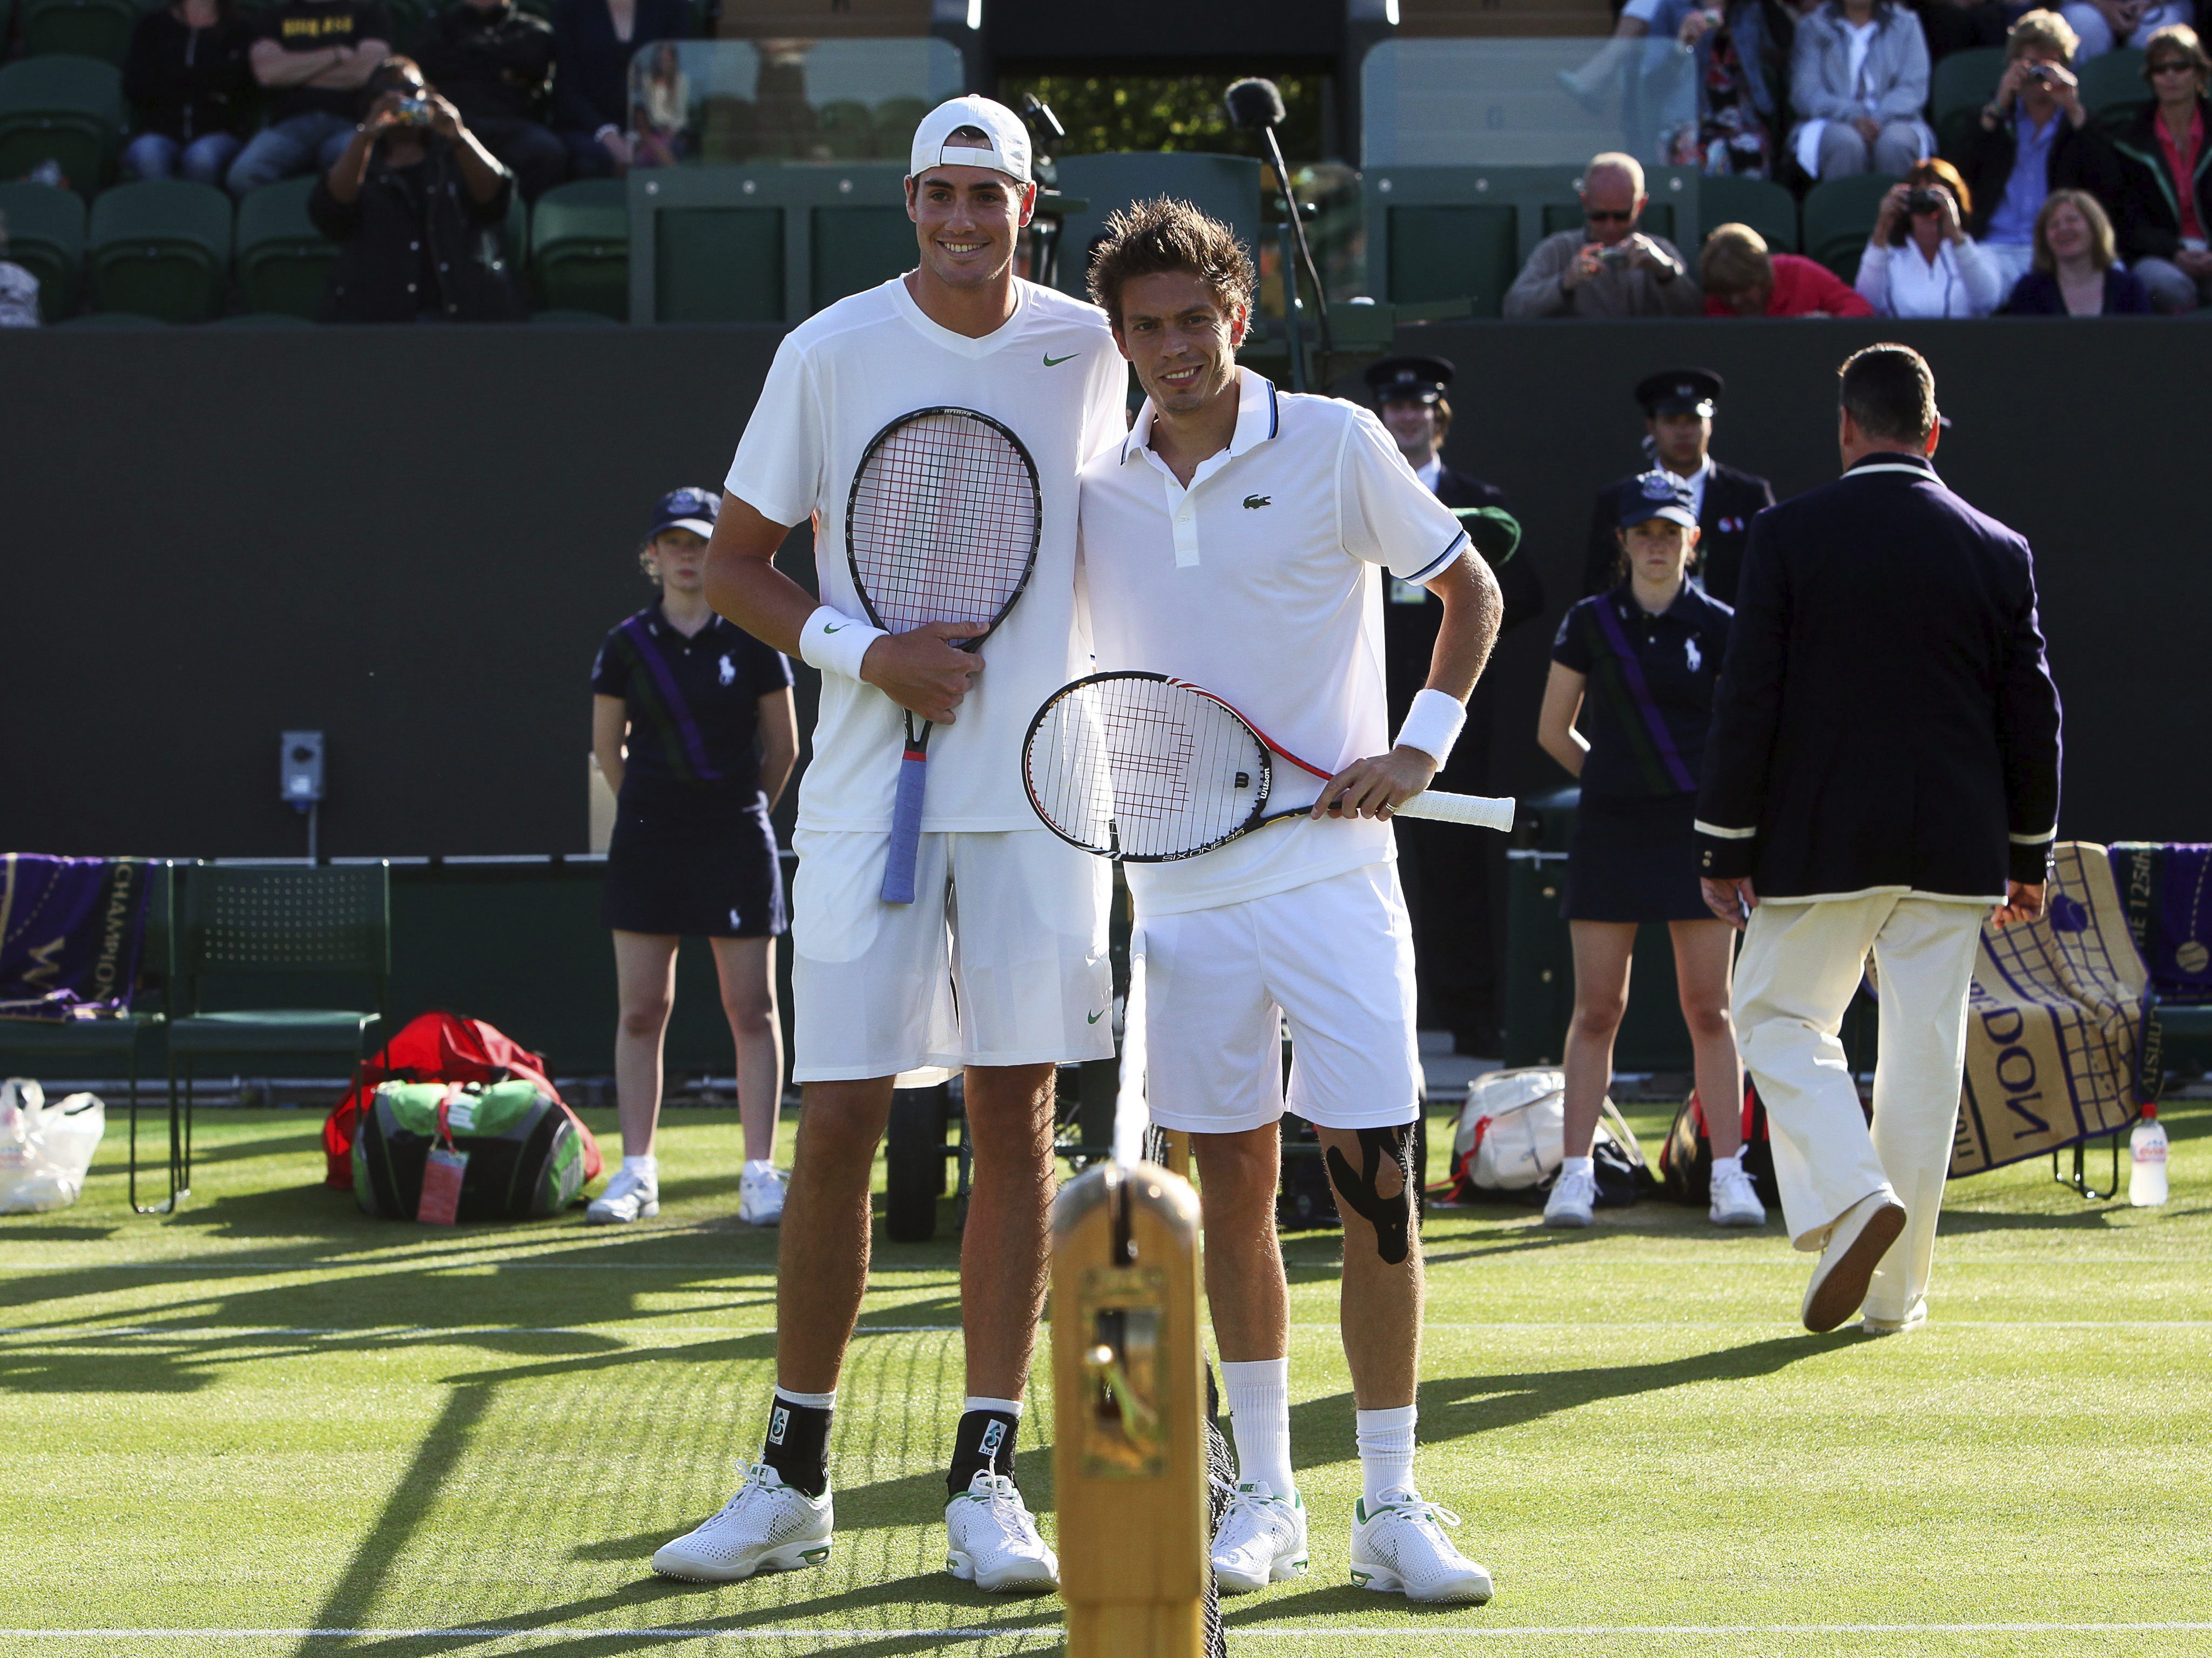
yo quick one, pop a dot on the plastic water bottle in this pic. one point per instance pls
(2147, 1172)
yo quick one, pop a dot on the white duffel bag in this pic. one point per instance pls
(1512, 1132)
(44, 1150)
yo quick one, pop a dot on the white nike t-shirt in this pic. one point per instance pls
(1052, 375)
(1262, 583)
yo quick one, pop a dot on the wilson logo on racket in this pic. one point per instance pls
(1148, 769)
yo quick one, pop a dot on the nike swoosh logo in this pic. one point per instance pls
(1095, 1017)
(831, 627)
(1052, 362)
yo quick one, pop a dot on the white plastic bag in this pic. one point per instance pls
(44, 1150)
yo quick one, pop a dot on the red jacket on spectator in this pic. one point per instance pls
(1804, 287)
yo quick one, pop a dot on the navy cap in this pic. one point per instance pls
(687, 509)
(1408, 380)
(1656, 495)
(1680, 391)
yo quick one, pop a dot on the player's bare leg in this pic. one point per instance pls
(1244, 1284)
(822, 1255)
(1382, 1293)
(1005, 1250)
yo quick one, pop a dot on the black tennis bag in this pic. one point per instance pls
(1686, 1162)
(524, 1151)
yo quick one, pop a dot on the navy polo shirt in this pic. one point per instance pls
(1649, 697)
(694, 705)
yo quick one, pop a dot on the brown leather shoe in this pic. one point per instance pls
(1861, 1237)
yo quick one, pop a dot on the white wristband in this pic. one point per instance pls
(1432, 723)
(834, 643)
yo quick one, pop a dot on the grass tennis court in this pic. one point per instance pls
(270, 1417)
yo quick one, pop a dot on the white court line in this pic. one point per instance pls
(979, 1632)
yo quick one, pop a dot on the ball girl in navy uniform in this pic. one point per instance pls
(692, 723)
(1645, 655)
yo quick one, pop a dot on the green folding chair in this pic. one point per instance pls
(1840, 215)
(1962, 83)
(161, 248)
(251, 929)
(88, 28)
(579, 247)
(45, 236)
(283, 261)
(2112, 85)
(1764, 205)
(66, 110)
(135, 1038)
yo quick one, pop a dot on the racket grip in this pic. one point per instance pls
(1477, 811)
(905, 848)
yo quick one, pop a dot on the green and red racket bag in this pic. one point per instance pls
(525, 1151)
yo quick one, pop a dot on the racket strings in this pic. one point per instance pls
(1148, 769)
(944, 523)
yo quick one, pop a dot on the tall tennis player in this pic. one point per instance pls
(998, 962)
(1237, 539)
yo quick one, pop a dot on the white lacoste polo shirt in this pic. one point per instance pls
(1262, 583)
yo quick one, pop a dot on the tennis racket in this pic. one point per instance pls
(1148, 769)
(942, 525)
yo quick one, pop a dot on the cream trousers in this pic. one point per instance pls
(1801, 962)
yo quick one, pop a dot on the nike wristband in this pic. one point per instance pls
(834, 643)
(1432, 723)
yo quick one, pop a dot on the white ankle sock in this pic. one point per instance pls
(1386, 1450)
(647, 1165)
(1575, 1166)
(1259, 1391)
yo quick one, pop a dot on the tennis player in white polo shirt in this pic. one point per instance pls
(999, 965)
(1237, 539)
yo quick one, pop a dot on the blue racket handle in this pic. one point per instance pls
(905, 848)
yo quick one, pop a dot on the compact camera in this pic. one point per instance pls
(2042, 72)
(1922, 199)
(1619, 253)
(413, 112)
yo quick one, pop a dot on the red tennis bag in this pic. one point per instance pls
(438, 1047)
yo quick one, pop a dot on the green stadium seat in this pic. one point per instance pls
(857, 247)
(579, 247)
(283, 261)
(847, 129)
(1963, 81)
(62, 109)
(160, 248)
(1764, 205)
(2113, 86)
(719, 264)
(88, 28)
(45, 236)
(1658, 218)
(1840, 215)
(895, 120)
(1453, 253)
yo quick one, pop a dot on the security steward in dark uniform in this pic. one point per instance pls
(1449, 879)
(1678, 414)
(1881, 778)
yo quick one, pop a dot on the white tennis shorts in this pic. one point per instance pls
(1333, 958)
(1000, 960)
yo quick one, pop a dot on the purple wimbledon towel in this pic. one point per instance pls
(70, 932)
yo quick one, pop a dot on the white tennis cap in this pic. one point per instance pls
(1007, 152)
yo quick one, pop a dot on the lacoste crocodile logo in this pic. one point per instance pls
(1051, 362)
(1258, 500)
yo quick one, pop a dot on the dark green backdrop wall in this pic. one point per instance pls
(413, 539)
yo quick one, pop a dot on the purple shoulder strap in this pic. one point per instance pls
(1633, 672)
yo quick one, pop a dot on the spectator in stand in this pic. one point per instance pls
(659, 108)
(2076, 273)
(2034, 137)
(1920, 262)
(495, 63)
(1610, 268)
(593, 42)
(19, 288)
(313, 57)
(186, 75)
(2161, 186)
(1858, 79)
(2105, 24)
(1742, 51)
(1742, 278)
(417, 204)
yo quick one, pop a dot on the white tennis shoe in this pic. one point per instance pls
(1261, 1540)
(993, 1543)
(767, 1527)
(1398, 1548)
(760, 1194)
(1573, 1197)
(1735, 1199)
(629, 1196)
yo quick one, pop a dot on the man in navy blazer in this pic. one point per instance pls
(1882, 773)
